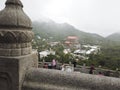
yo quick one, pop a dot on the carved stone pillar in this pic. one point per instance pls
(15, 30)
(16, 55)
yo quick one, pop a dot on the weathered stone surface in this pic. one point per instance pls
(43, 79)
(16, 55)
(13, 16)
(15, 52)
(15, 36)
(14, 2)
(5, 81)
(13, 69)
(15, 30)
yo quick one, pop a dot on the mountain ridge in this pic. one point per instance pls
(114, 37)
(59, 31)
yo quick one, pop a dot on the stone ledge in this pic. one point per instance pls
(65, 81)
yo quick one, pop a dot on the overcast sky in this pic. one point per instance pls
(95, 16)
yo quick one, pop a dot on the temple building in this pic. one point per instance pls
(72, 42)
(19, 63)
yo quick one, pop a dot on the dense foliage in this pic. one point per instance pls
(108, 58)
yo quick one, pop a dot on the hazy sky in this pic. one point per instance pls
(95, 16)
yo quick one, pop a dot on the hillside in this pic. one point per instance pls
(114, 37)
(58, 32)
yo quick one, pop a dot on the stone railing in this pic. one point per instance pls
(85, 69)
(45, 79)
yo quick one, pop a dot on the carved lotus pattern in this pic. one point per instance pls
(16, 36)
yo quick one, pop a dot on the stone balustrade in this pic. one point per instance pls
(45, 79)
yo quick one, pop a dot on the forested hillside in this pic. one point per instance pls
(114, 37)
(110, 46)
(59, 32)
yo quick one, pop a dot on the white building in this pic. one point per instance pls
(45, 53)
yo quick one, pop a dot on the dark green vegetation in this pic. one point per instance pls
(114, 37)
(109, 56)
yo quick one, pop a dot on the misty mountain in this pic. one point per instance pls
(58, 32)
(114, 37)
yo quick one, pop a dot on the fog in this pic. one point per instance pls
(94, 16)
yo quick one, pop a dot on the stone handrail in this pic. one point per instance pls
(45, 79)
